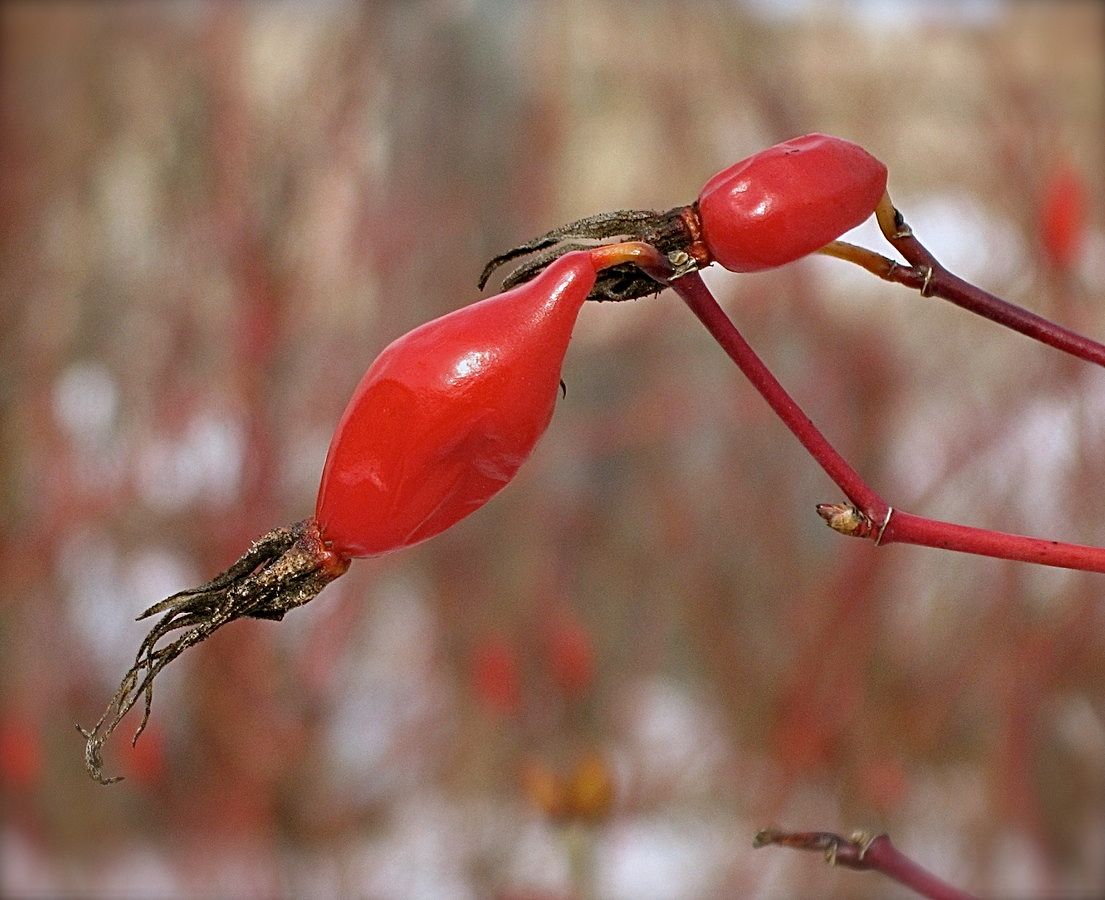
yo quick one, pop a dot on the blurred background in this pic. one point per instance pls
(649, 646)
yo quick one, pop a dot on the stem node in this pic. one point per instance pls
(846, 519)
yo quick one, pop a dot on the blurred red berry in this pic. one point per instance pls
(571, 655)
(1063, 216)
(885, 784)
(495, 677)
(144, 761)
(801, 739)
(20, 753)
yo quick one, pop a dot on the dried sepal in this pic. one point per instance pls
(283, 569)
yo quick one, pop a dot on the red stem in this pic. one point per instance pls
(942, 283)
(906, 528)
(702, 303)
(901, 527)
(964, 294)
(883, 856)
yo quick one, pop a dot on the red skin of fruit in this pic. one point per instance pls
(446, 415)
(787, 201)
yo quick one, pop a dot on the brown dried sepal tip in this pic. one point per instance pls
(676, 233)
(281, 570)
(846, 519)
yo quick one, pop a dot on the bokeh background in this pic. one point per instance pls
(602, 684)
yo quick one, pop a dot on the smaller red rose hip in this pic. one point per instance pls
(770, 209)
(788, 201)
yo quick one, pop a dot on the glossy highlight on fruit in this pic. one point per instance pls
(788, 201)
(446, 415)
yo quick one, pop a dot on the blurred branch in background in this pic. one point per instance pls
(213, 217)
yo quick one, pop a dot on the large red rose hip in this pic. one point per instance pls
(446, 415)
(439, 424)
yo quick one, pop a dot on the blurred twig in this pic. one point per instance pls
(865, 852)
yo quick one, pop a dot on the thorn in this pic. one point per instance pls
(682, 263)
(863, 841)
(902, 229)
(563, 388)
(926, 286)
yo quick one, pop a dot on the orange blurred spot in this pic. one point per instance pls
(586, 795)
(591, 790)
(544, 789)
